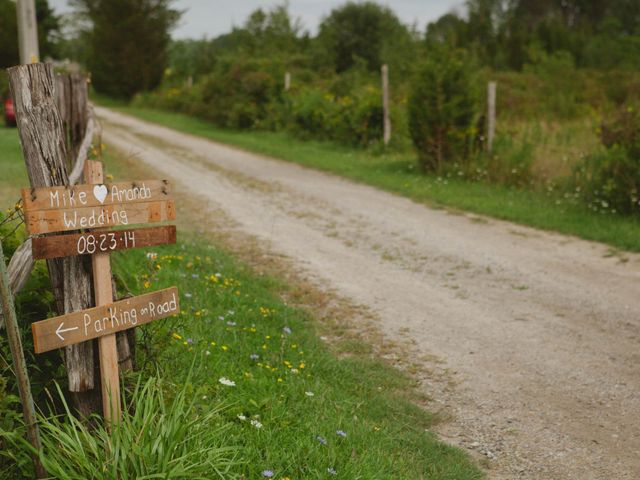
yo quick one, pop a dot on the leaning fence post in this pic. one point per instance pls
(43, 143)
(491, 115)
(20, 365)
(385, 104)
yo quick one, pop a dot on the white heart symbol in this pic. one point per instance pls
(100, 192)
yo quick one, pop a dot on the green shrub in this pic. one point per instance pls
(609, 180)
(156, 438)
(443, 109)
(354, 119)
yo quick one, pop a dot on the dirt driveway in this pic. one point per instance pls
(537, 334)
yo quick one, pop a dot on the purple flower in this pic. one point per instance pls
(322, 440)
(332, 471)
(190, 341)
(267, 473)
(341, 433)
(287, 330)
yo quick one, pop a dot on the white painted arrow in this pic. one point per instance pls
(60, 330)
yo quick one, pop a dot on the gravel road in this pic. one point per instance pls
(537, 334)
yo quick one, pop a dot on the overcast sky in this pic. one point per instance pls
(213, 17)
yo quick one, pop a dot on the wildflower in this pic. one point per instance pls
(256, 424)
(322, 440)
(207, 352)
(187, 295)
(221, 318)
(301, 366)
(176, 336)
(267, 473)
(341, 433)
(190, 341)
(195, 275)
(280, 380)
(224, 348)
(147, 284)
(231, 324)
(241, 417)
(254, 356)
(152, 255)
(227, 382)
(332, 471)
(309, 394)
(287, 330)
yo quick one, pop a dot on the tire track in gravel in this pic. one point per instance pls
(539, 332)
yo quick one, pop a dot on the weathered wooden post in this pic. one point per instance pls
(491, 115)
(43, 144)
(385, 104)
(20, 365)
(72, 99)
(287, 81)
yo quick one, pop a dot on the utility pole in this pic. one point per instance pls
(27, 31)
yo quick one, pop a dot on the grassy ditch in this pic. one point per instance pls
(397, 172)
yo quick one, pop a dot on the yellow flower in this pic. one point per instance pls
(301, 366)
(280, 380)
(224, 348)
(213, 344)
(176, 336)
(147, 284)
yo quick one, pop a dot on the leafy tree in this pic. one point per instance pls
(128, 43)
(365, 31)
(443, 109)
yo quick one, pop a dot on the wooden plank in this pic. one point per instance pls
(92, 195)
(103, 293)
(95, 242)
(104, 320)
(49, 221)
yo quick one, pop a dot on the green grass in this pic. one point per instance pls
(13, 175)
(396, 173)
(234, 326)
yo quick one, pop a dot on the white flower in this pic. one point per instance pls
(207, 352)
(256, 423)
(227, 382)
(309, 394)
(241, 417)
(152, 255)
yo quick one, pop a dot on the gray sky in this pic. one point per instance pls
(213, 17)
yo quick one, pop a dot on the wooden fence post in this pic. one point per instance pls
(491, 115)
(72, 99)
(43, 144)
(20, 365)
(287, 81)
(385, 104)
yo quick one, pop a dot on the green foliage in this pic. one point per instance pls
(365, 31)
(354, 118)
(443, 110)
(158, 437)
(128, 43)
(610, 178)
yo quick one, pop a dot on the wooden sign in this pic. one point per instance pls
(101, 242)
(104, 320)
(59, 209)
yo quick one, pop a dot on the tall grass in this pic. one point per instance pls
(157, 437)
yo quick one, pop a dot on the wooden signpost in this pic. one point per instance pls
(96, 206)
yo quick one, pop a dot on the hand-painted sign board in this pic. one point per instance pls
(95, 195)
(101, 242)
(60, 209)
(104, 320)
